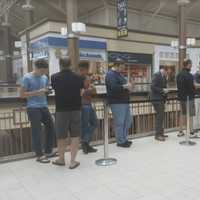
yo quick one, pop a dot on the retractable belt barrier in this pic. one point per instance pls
(107, 161)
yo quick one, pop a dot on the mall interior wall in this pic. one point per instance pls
(142, 21)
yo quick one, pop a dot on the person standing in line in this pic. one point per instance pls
(67, 86)
(186, 88)
(88, 114)
(34, 88)
(197, 100)
(158, 97)
(118, 98)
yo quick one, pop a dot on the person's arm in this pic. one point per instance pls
(196, 84)
(53, 82)
(24, 93)
(114, 85)
(155, 87)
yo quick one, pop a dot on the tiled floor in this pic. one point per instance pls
(147, 171)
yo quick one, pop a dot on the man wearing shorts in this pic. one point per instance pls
(186, 88)
(67, 86)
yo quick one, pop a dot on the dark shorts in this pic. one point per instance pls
(68, 123)
(184, 107)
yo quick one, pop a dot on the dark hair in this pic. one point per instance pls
(186, 62)
(162, 67)
(65, 63)
(41, 64)
(84, 65)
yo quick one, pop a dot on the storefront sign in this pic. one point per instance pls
(60, 42)
(132, 58)
(122, 18)
(40, 53)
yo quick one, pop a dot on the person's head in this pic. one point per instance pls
(163, 70)
(187, 64)
(65, 63)
(119, 65)
(84, 68)
(41, 67)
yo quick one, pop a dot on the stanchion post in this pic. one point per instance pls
(106, 130)
(187, 141)
(106, 161)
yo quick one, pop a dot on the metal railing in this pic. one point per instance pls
(15, 132)
(8, 91)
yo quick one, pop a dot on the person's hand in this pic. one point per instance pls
(42, 91)
(128, 86)
(165, 91)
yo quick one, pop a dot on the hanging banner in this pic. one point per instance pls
(122, 18)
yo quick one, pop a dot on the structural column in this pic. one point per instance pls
(29, 16)
(182, 31)
(73, 41)
(7, 45)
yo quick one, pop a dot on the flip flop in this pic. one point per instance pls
(75, 166)
(58, 163)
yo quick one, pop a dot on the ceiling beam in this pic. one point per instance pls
(6, 5)
(191, 6)
(57, 6)
(145, 7)
(162, 4)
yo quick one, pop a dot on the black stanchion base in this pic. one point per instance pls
(106, 162)
(187, 143)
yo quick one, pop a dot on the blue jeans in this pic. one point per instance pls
(122, 121)
(37, 117)
(88, 123)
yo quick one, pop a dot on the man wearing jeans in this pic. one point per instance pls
(118, 98)
(88, 114)
(35, 89)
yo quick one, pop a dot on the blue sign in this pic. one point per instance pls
(63, 43)
(122, 18)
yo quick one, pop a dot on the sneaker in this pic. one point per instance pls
(165, 136)
(84, 147)
(124, 145)
(51, 155)
(180, 134)
(129, 142)
(160, 138)
(90, 149)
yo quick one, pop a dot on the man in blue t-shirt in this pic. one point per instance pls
(34, 88)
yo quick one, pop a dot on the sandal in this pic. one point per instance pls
(43, 159)
(75, 165)
(58, 163)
